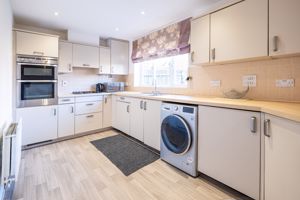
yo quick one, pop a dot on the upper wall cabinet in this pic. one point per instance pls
(85, 56)
(36, 44)
(119, 57)
(200, 40)
(284, 27)
(65, 57)
(240, 31)
(104, 67)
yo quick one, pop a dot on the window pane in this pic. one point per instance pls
(165, 72)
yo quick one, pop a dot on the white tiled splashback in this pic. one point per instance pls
(83, 79)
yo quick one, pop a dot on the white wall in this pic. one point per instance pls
(6, 62)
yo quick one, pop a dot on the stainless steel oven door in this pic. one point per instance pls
(30, 71)
(36, 93)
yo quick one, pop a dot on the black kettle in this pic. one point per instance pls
(100, 87)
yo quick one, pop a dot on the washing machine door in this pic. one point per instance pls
(176, 134)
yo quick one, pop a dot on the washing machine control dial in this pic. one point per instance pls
(176, 108)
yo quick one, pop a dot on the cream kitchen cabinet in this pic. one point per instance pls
(240, 31)
(88, 114)
(85, 56)
(229, 147)
(152, 123)
(119, 57)
(284, 27)
(200, 40)
(122, 115)
(39, 124)
(107, 111)
(35, 44)
(282, 160)
(66, 120)
(104, 66)
(65, 57)
(137, 118)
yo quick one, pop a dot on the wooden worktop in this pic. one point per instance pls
(286, 110)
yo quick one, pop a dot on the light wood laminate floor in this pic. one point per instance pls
(76, 170)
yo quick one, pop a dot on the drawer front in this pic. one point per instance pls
(89, 122)
(89, 98)
(88, 107)
(123, 99)
(66, 100)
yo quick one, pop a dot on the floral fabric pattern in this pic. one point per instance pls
(170, 41)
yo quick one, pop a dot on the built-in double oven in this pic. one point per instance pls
(36, 81)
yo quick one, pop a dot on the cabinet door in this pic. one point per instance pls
(136, 119)
(152, 123)
(104, 67)
(123, 117)
(284, 27)
(119, 57)
(282, 160)
(228, 150)
(240, 31)
(66, 117)
(200, 40)
(114, 121)
(107, 111)
(36, 44)
(85, 56)
(65, 57)
(39, 124)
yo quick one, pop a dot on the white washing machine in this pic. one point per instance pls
(179, 132)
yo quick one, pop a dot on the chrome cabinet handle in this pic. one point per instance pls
(213, 53)
(122, 98)
(72, 109)
(275, 43)
(128, 108)
(54, 112)
(141, 105)
(90, 116)
(267, 128)
(70, 67)
(89, 104)
(86, 65)
(145, 105)
(192, 56)
(105, 100)
(38, 53)
(253, 125)
(101, 69)
(65, 100)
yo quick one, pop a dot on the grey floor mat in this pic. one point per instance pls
(127, 155)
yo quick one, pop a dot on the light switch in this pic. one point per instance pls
(249, 80)
(215, 83)
(285, 83)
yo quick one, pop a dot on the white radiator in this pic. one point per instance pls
(11, 157)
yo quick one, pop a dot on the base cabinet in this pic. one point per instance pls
(137, 119)
(39, 123)
(107, 111)
(123, 116)
(66, 120)
(152, 123)
(282, 160)
(229, 147)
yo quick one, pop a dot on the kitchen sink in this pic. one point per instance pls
(152, 94)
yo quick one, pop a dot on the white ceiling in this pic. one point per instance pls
(102, 17)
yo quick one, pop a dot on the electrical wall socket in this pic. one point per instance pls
(285, 83)
(215, 83)
(64, 83)
(249, 80)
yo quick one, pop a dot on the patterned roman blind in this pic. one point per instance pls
(170, 41)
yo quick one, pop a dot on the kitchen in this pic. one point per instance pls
(200, 101)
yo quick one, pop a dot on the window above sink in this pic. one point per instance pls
(164, 72)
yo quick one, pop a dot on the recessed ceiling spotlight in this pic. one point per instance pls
(117, 29)
(56, 13)
(143, 13)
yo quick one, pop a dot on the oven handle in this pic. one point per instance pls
(37, 81)
(38, 64)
